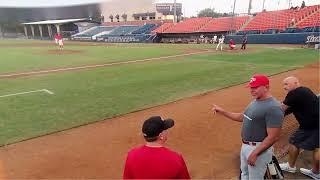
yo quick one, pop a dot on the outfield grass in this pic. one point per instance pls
(91, 95)
(34, 58)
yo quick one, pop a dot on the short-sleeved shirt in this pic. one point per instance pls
(155, 163)
(260, 115)
(244, 40)
(304, 104)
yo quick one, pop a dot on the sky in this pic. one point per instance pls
(190, 7)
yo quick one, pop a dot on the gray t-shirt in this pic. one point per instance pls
(259, 116)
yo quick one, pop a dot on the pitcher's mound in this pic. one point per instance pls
(57, 51)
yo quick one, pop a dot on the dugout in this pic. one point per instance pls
(48, 28)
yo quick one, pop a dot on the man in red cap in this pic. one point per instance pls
(153, 160)
(261, 127)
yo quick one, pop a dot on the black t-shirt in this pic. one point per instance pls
(304, 104)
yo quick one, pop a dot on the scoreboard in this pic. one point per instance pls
(168, 8)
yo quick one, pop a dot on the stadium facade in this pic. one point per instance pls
(128, 10)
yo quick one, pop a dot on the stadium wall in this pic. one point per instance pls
(282, 38)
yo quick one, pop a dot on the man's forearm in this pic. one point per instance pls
(233, 116)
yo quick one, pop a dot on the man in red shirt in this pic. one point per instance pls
(153, 160)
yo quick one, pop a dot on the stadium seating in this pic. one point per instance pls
(224, 24)
(146, 29)
(163, 28)
(123, 30)
(312, 29)
(310, 21)
(281, 19)
(93, 31)
(137, 23)
(189, 25)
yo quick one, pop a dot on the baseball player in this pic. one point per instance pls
(221, 41)
(60, 41)
(56, 39)
(244, 42)
(214, 40)
(232, 44)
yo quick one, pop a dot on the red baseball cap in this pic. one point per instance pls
(258, 80)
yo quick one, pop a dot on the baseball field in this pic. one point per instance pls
(75, 113)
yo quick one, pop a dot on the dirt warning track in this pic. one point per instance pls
(210, 144)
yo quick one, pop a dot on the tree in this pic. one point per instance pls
(117, 17)
(208, 12)
(111, 17)
(124, 17)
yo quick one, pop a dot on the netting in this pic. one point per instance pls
(290, 124)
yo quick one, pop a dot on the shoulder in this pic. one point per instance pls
(136, 150)
(173, 153)
(300, 91)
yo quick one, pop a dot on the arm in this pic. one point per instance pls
(273, 136)
(286, 109)
(231, 115)
(184, 174)
(126, 172)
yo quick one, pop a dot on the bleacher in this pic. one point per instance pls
(279, 19)
(124, 30)
(93, 31)
(313, 20)
(163, 28)
(189, 25)
(137, 23)
(145, 29)
(224, 24)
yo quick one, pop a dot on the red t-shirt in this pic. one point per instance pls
(58, 36)
(155, 163)
(231, 42)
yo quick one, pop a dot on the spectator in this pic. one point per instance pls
(261, 127)
(303, 4)
(153, 160)
(304, 104)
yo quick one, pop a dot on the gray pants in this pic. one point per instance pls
(258, 171)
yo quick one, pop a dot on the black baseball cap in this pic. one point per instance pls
(153, 126)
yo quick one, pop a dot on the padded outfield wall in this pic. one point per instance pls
(282, 38)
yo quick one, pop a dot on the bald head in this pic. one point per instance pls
(290, 83)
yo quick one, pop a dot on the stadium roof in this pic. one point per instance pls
(60, 21)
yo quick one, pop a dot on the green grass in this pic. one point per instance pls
(34, 58)
(87, 96)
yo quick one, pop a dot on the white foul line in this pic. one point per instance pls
(28, 92)
(98, 65)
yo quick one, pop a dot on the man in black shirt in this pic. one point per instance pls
(304, 104)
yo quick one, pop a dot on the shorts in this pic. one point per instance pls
(60, 42)
(56, 40)
(307, 139)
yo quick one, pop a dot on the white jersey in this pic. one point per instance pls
(215, 38)
(221, 40)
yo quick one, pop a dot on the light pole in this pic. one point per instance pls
(249, 9)
(175, 11)
(232, 21)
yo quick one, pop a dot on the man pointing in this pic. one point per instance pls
(261, 127)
